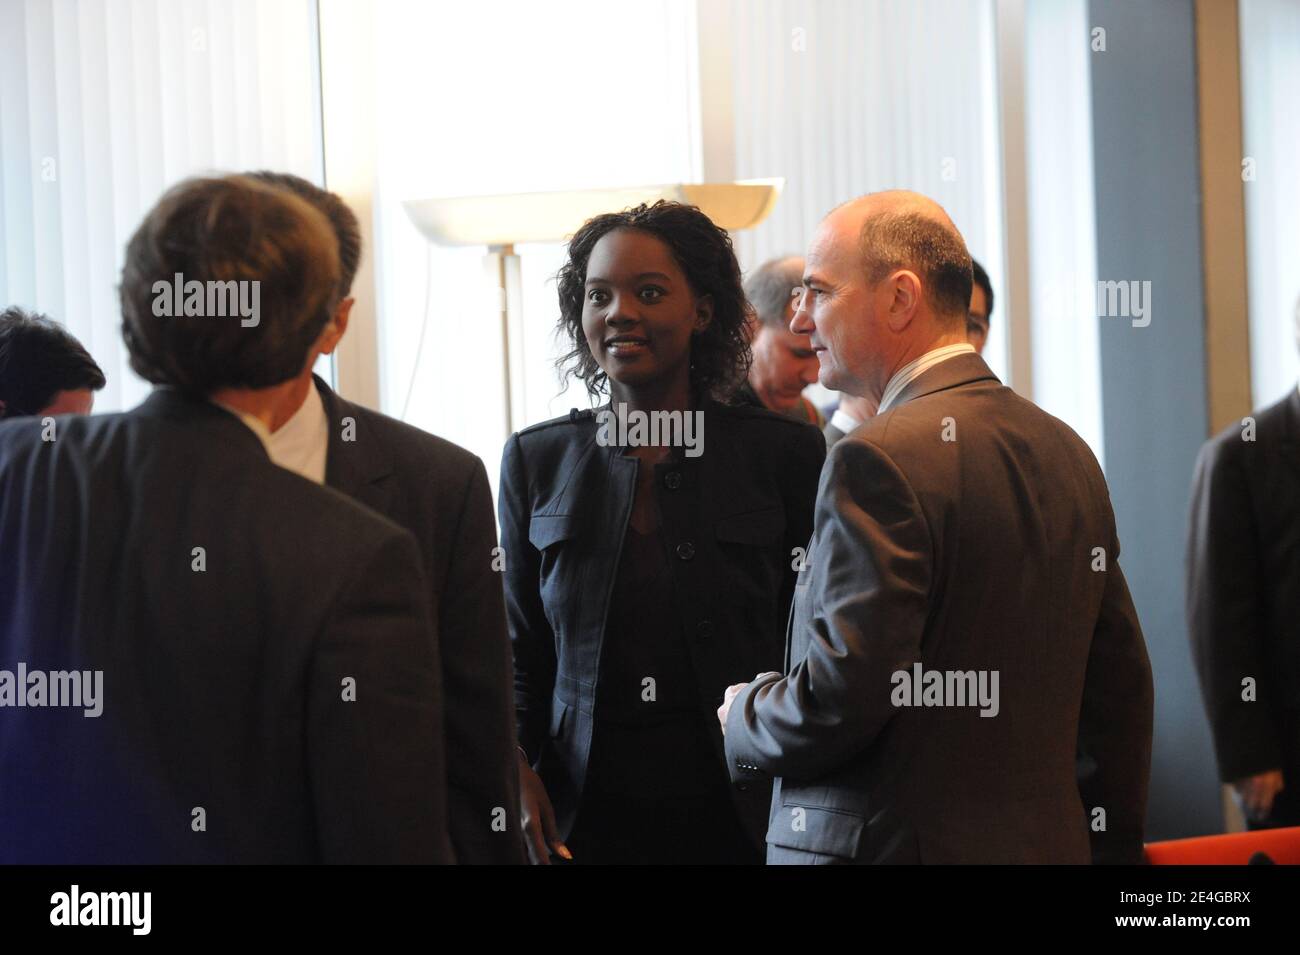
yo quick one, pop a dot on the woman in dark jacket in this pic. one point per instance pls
(649, 552)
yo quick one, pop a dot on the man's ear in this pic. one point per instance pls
(703, 312)
(905, 298)
(333, 332)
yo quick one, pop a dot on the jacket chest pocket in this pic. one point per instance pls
(555, 536)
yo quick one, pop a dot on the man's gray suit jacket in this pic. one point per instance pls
(967, 536)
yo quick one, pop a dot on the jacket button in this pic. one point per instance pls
(743, 787)
(673, 480)
(704, 629)
(686, 550)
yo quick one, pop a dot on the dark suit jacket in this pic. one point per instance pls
(733, 516)
(224, 671)
(439, 492)
(965, 555)
(1243, 589)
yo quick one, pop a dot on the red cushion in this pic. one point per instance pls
(1280, 845)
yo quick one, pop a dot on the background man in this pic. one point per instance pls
(981, 308)
(1243, 601)
(784, 365)
(44, 370)
(440, 493)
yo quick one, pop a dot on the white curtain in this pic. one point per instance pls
(104, 104)
(844, 97)
(1270, 90)
(1064, 328)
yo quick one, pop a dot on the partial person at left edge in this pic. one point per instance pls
(440, 493)
(205, 658)
(44, 370)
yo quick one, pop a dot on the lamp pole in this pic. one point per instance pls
(504, 263)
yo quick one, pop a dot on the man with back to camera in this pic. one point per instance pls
(961, 535)
(440, 493)
(259, 669)
(44, 370)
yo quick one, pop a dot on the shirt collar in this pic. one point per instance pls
(306, 421)
(914, 369)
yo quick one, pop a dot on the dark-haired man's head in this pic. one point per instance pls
(347, 230)
(206, 245)
(981, 307)
(44, 370)
(784, 363)
(887, 279)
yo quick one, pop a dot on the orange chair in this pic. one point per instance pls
(1280, 845)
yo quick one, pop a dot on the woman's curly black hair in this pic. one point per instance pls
(720, 355)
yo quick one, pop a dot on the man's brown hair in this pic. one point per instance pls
(897, 239)
(343, 220)
(229, 229)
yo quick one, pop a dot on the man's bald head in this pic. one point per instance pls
(887, 278)
(906, 230)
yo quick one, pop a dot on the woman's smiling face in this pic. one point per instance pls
(639, 311)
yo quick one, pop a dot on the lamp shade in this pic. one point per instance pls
(553, 216)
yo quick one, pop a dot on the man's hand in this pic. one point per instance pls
(733, 691)
(728, 697)
(1257, 793)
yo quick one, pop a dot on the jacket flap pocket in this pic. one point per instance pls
(756, 528)
(827, 831)
(547, 529)
(558, 710)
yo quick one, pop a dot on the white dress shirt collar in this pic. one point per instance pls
(301, 444)
(844, 422)
(915, 369)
